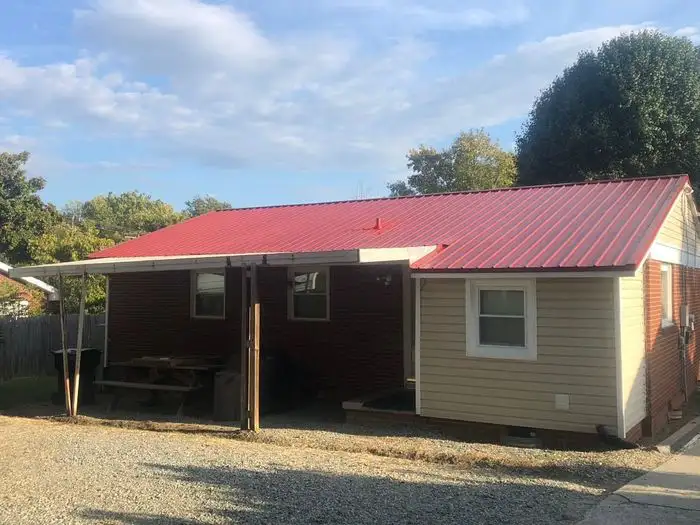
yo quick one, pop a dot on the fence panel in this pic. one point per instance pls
(25, 343)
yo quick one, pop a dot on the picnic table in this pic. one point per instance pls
(180, 375)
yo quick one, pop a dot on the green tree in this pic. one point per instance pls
(123, 216)
(65, 242)
(202, 204)
(472, 162)
(632, 108)
(23, 215)
(11, 295)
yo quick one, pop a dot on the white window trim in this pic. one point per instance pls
(667, 322)
(474, 349)
(193, 294)
(291, 270)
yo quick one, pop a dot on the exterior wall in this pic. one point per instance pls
(149, 314)
(678, 230)
(359, 350)
(664, 363)
(575, 356)
(633, 362)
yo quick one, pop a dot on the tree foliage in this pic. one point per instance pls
(201, 204)
(632, 108)
(65, 242)
(123, 216)
(11, 296)
(472, 162)
(23, 215)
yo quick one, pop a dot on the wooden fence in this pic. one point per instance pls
(25, 344)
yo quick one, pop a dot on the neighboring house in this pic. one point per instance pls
(19, 297)
(557, 308)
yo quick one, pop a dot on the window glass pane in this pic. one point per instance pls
(502, 331)
(502, 302)
(309, 282)
(210, 305)
(310, 306)
(209, 296)
(210, 283)
(666, 291)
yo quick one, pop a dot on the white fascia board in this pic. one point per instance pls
(45, 287)
(522, 275)
(379, 255)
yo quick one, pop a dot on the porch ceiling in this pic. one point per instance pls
(193, 262)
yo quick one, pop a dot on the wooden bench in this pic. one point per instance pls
(153, 387)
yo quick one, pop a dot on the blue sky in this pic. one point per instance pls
(272, 101)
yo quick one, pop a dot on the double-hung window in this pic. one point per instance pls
(209, 294)
(308, 294)
(502, 319)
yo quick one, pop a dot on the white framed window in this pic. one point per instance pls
(666, 295)
(308, 294)
(208, 295)
(502, 319)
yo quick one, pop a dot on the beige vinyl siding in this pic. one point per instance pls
(632, 349)
(575, 356)
(678, 230)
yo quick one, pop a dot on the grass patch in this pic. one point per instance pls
(26, 390)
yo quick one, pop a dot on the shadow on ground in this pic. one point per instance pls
(297, 496)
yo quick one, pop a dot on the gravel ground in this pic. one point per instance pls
(59, 473)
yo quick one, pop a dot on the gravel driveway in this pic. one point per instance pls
(58, 473)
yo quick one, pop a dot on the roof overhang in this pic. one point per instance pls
(50, 291)
(194, 262)
(516, 273)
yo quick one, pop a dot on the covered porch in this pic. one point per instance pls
(336, 326)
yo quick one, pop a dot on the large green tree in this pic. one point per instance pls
(64, 242)
(23, 215)
(201, 204)
(474, 161)
(632, 108)
(122, 216)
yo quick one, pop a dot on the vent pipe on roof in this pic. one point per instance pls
(378, 223)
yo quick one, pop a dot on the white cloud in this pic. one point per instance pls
(205, 82)
(693, 33)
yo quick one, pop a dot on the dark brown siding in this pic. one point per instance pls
(149, 314)
(664, 364)
(358, 351)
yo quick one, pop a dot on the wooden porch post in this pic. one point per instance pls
(245, 413)
(79, 345)
(254, 355)
(64, 345)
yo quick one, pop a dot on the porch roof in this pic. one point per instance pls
(110, 265)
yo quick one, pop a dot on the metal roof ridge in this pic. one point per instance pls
(451, 193)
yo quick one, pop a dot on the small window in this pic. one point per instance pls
(309, 294)
(209, 294)
(666, 295)
(502, 319)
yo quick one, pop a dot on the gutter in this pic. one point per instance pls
(50, 291)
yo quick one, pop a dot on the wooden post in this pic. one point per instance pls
(79, 346)
(254, 354)
(245, 413)
(64, 345)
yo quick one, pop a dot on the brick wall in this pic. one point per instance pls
(359, 350)
(664, 363)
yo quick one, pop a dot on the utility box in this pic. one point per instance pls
(227, 396)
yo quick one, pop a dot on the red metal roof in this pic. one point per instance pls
(596, 225)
